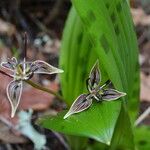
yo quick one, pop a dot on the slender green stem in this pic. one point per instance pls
(44, 89)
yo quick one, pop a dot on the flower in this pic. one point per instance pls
(22, 71)
(97, 92)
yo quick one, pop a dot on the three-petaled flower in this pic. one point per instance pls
(22, 71)
(97, 92)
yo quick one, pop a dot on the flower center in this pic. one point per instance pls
(23, 71)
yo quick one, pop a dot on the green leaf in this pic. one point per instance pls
(142, 137)
(123, 136)
(98, 122)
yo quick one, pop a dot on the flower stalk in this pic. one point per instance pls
(37, 86)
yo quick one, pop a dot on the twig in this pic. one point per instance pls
(61, 140)
(2, 72)
(7, 122)
(142, 116)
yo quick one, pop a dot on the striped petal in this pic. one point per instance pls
(94, 77)
(111, 94)
(80, 104)
(14, 91)
(42, 67)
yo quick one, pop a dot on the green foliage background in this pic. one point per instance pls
(103, 30)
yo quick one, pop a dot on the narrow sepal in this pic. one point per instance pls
(95, 76)
(80, 104)
(111, 94)
(42, 67)
(14, 91)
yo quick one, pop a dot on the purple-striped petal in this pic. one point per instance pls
(111, 94)
(14, 91)
(80, 104)
(42, 67)
(10, 64)
(94, 77)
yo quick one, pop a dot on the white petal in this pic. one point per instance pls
(14, 91)
(42, 67)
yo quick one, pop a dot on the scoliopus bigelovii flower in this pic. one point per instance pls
(22, 71)
(95, 91)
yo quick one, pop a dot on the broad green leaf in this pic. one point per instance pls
(65, 52)
(142, 137)
(123, 136)
(98, 122)
(74, 142)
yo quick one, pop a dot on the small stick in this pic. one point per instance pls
(61, 139)
(2, 72)
(8, 123)
(142, 116)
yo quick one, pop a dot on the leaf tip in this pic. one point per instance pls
(67, 115)
(108, 143)
(61, 71)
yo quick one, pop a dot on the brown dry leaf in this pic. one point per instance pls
(139, 17)
(4, 103)
(145, 88)
(7, 136)
(36, 99)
